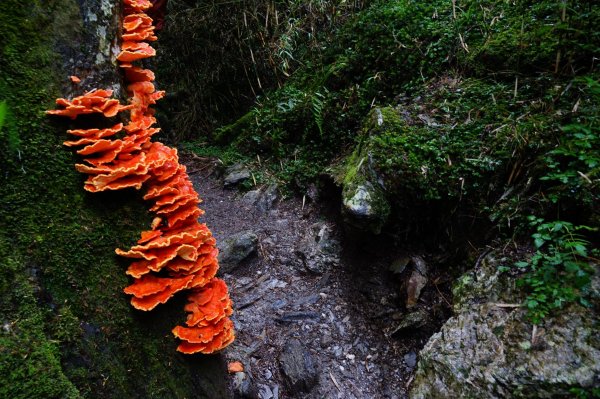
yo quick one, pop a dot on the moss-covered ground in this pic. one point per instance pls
(66, 328)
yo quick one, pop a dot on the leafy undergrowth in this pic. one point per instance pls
(559, 271)
(487, 86)
(213, 71)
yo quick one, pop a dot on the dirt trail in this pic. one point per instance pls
(341, 314)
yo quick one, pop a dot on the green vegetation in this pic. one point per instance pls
(559, 272)
(482, 72)
(574, 164)
(213, 71)
(31, 361)
(581, 393)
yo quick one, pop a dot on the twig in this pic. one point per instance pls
(585, 177)
(508, 305)
(563, 17)
(482, 257)
(191, 172)
(337, 385)
(462, 43)
(442, 295)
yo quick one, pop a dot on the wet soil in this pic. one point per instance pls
(343, 315)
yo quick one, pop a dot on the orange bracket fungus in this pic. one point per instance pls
(177, 253)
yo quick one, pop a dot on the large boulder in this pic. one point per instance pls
(364, 206)
(364, 203)
(490, 349)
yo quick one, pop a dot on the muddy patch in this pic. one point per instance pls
(316, 315)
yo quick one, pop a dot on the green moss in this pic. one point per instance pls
(30, 363)
(69, 330)
(365, 202)
(350, 172)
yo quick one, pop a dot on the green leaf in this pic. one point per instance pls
(580, 249)
(532, 304)
(585, 302)
(557, 226)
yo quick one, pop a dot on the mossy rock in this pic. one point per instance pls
(394, 163)
(490, 349)
(364, 202)
(485, 283)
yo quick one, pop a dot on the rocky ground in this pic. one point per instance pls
(316, 314)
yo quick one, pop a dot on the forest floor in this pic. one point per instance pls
(331, 327)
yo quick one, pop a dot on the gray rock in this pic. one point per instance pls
(416, 282)
(490, 351)
(364, 207)
(410, 359)
(263, 199)
(267, 198)
(279, 303)
(360, 202)
(298, 367)
(265, 392)
(251, 197)
(235, 175)
(326, 340)
(243, 387)
(235, 249)
(411, 321)
(484, 284)
(419, 265)
(318, 250)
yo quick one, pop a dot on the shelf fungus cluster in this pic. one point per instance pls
(177, 253)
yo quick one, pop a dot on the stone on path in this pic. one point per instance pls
(298, 367)
(235, 249)
(235, 175)
(318, 249)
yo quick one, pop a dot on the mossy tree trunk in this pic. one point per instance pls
(66, 328)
